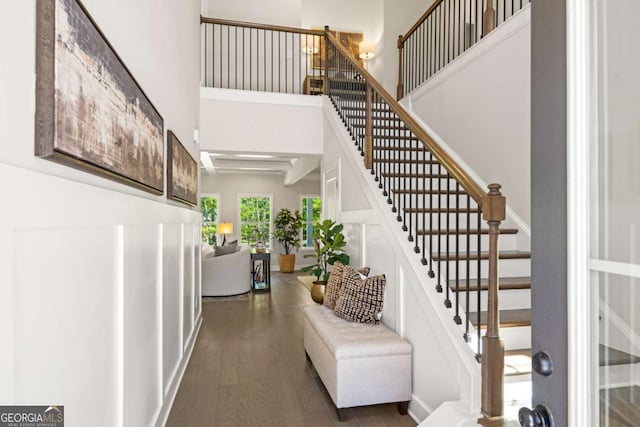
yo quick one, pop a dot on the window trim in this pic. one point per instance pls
(218, 196)
(307, 196)
(239, 219)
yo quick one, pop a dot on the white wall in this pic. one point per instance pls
(278, 12)
(234, 120)
(397, 21)
(99, 281)
(229, 186)
(480, 107)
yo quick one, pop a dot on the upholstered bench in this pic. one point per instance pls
(359, 364)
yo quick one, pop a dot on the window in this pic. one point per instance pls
(255, 219)
(311, 208)
(210, 207)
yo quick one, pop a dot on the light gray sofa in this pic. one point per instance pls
(228, 274)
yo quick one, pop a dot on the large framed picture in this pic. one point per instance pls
(349, 40)
(182, 172)
(90, 111)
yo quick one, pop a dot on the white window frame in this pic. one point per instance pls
(239, 218)
(218, 196)
(307, 196)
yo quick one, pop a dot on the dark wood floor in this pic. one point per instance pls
(248, 368)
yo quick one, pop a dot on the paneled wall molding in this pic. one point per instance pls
(122, 291)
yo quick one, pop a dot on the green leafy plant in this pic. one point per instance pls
(329, 244)
(287, 229)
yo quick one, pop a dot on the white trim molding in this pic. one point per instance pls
(582, 328)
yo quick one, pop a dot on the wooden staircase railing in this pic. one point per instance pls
(422, 183)
(445, 31)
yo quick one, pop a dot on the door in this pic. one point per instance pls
(585, 243)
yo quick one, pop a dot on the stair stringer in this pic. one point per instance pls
(463, 370)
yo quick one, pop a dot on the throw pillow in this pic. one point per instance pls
(231, 243)
(360, 300)
(332, 290)
(226, 249)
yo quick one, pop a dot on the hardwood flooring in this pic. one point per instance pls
(248, 368)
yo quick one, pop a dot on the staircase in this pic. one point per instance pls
(443, 220)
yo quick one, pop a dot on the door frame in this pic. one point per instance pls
(582, 302)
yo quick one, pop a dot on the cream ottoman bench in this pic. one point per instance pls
(359, 364)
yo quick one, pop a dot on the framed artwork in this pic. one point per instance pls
(349, 40)
(182, 172)
(91, 113)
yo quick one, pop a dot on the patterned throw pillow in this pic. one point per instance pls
(332, 290)
(360, 300)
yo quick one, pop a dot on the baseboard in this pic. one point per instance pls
(163, 416)
(418, 410)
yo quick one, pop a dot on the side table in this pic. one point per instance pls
(260, 271)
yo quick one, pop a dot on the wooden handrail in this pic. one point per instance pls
(266, 27)
(471, 187)
(419, 21)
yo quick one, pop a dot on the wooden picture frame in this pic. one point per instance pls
(182, 172)
(91, 113)
(349, 40)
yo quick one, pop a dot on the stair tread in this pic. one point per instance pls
(504, 283)
(451, 256)
(382, 148)
(421, 191)
(377, 126)
(441, 210)
(517, 362)
(610, 357)
(414, 175)
(417, 162)
(619, 406)
(501, 422)
(463, 231)
(394, 138)
(508, 318)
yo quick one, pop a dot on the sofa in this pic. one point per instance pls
(226, 275)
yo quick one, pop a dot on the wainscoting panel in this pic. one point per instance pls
(187, 271)
(67, 321)
(142, 321)
(172, 301)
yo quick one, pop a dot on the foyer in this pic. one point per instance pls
(248, 368)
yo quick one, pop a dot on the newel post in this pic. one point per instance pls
(400, 90)
(494, 212)
(326, 61)
(368, 130)
(488, 19)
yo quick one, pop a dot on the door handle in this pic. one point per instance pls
(538, 417)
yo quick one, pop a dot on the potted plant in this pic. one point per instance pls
(287, 232)
(329, 244)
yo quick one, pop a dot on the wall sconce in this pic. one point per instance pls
(367, 49)
(225, 228)
(310, 44)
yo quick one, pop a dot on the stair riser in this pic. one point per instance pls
(507, 268)
(515, 338)
(512, 299)
(461, 221)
